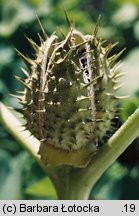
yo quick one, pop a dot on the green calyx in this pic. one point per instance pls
(69, 97)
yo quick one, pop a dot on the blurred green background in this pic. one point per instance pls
(20, 176)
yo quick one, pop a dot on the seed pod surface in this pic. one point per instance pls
(69, 97)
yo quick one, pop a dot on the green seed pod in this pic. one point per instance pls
(69, 97)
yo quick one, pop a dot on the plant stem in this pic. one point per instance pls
(75, 183)
(15, 128)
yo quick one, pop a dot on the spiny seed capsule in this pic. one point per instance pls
(69, 97)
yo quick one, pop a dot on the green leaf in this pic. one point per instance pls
(125, 15)
(42, 188)
(131, 79)
(128, 108)
(6, 55)
(11, 176)
(110, 184)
